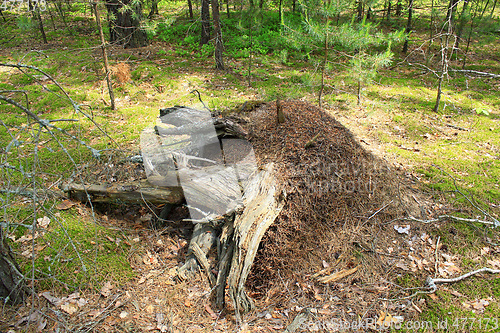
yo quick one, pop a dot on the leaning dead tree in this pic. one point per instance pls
(208, 162)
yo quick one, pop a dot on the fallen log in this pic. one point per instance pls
(132, 192)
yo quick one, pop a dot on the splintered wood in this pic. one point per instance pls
(263, 203)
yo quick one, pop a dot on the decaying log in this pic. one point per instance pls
(134, 192)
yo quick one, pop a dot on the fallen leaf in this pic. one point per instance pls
(485, 250)
(69, 308)
(52, 299)
(434, 297)
(387, 320)
(106, 289)
(43, 222)
(123, 314)
(65, 204)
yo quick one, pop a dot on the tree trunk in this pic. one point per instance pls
(154, 9)
(323, 69)
(205, 22)
(190, 6)
(104, 56)
(219, 45)
(461, 25)
(124, 23)
(408, 26)
(37, 16)
(389, 10)
(227, 8)
(360, 10)
(12, 286)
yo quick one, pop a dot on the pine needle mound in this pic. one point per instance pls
(338, 198)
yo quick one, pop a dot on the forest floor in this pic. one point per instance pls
(435, 157)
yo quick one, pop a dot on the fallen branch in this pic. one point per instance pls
(495, 223)
(431, 283)
(478, 73)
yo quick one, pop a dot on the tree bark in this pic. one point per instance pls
(12, 286)
(124, 23)
(219, 45)
(190, 6)
(154, 9)
(38, 17)
(461, 25)
(205, 22)
(408, 26)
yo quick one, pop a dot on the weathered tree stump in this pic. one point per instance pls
(192, 157)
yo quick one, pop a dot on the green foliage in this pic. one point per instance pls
(24, 23)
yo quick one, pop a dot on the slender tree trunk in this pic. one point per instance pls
(360, 10)
(408, 26)
(250, 32)
(190, 7)
(470, 35)
(104, 56)
(227, 8)
(444, 64)
(219, 45)
(294, 5)
(12, 283)
(389, 10)
(461, 25)
(154, 9)
(51, 17)
(205, 22)
(323, 70)
(431, 37)
(37, 16)
(493, 9)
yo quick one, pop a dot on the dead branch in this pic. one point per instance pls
(431, 283)
(478, 73)
(495, 223)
